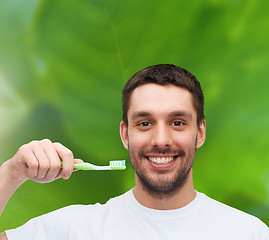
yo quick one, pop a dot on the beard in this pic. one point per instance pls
(162, 183)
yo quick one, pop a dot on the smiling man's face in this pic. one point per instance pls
(162, 136)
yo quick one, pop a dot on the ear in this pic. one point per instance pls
(124, 134)
(201, 134)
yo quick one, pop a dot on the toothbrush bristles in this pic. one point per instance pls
(117, 164)
(113, 165)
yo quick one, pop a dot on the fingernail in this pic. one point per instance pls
(66, 176)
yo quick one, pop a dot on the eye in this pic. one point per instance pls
(178, 123)
(144, 124)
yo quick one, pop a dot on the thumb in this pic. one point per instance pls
(77, 161)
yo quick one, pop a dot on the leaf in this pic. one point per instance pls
(66, 62)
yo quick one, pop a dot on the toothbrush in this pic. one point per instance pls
(113, 165)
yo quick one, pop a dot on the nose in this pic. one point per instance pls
(161, 136)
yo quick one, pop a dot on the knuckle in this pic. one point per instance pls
(44, 166)
(55, 166)
(33, 165)
(25, 147)
(28, 146)
(33, 143)
(22, 148)
(68, 154)
(22, 152)
(46, 141)
(57, 143)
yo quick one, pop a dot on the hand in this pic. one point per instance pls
(40, 161)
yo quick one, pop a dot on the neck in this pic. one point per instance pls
(179, 198)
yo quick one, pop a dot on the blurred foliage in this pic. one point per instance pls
(63, 65)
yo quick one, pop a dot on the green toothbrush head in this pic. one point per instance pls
(117, 165)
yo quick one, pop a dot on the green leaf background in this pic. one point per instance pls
(63, 65)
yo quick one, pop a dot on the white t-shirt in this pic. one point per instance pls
(124, 218)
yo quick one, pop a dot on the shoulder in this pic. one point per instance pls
(214, 206)
(230, 216)
(97, 208)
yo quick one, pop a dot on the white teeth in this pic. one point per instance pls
(162, 160)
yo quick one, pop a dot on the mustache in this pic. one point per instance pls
(157, 150)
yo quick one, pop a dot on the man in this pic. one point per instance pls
(163, 125)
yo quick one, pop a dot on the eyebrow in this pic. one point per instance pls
(140, 114)
(180, 113)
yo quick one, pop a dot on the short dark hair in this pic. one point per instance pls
(164, 74)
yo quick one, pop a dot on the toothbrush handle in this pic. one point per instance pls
(83, 166)
(89, 166)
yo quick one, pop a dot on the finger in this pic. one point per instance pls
(60, 173)
(77, 161)
(54, 159)
(31, 162)
(43, 161)
(67, 158)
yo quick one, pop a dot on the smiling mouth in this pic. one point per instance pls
(161, 160)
